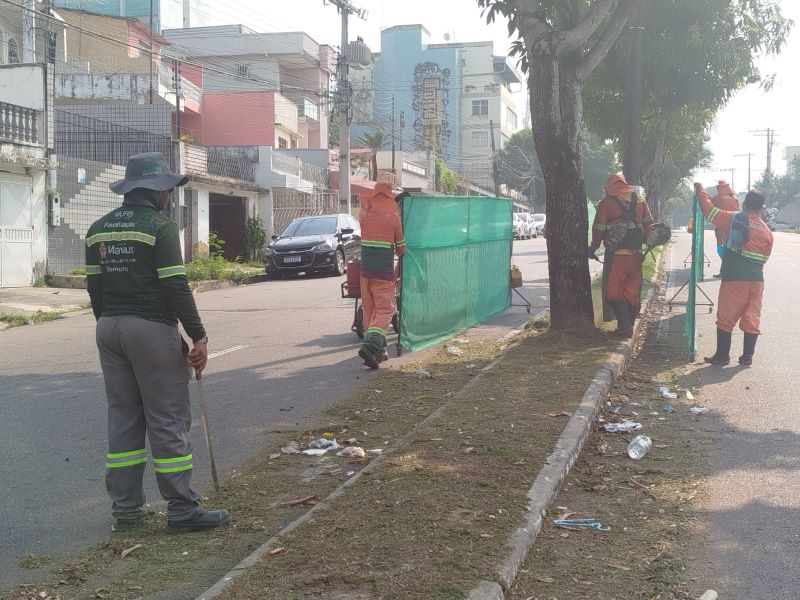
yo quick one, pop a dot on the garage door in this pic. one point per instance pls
(16, 231)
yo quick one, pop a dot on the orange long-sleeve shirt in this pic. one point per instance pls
(747, 265)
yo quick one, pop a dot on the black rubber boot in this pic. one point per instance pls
(205, 519)
(750, 340)
(633, 311)
(723, 354)
(624, 321)
(372, 349)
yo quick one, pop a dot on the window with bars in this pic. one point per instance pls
(480, 108)
(480, 138)
(243, 70)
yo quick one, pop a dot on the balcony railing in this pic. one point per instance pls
(285, 163)
(19, 124)
(201, 160)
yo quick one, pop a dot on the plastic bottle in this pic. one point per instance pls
(639, 446)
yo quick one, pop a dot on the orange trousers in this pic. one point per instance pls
(377, 298)
(740, 302)
(625, 278)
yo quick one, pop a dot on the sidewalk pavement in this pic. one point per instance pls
(752, 491)
(41, 299)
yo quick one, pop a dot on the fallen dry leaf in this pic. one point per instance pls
(275, 551)
(127, 551)
(561, 413)
(299, 501)
(564, 534)
(274, 455)
(616, 566)
(469, 450)
(544, 579)
(599, 487)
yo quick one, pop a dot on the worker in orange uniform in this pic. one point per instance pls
(621, 223)
(748, 245)
(381, 240)
(725, 199)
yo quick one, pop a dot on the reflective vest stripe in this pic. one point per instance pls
(376, 244)
(121, 236)
(93, 270)
(165, 272)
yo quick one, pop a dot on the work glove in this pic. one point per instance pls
(590, 253)
(698, 186)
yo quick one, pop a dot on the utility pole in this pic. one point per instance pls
(176, 81)
(770, 135)
(633, 101)
(394, 169)
(150, 54)
(345, 8)
(749, 155)
(731, 171)
(495, 168)
(402, 128)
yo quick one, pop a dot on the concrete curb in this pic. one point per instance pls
(264, 549)
(548, 482)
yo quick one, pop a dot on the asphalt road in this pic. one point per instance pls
(284, 351)
(752, 498)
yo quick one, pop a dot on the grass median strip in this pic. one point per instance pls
(434, 517)
(20, 319)
(178, 567)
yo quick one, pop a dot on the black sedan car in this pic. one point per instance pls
(323, 243)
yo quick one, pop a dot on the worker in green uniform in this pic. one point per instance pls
(139, 291)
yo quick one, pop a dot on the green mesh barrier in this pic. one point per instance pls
(456, 265)
(695, 275)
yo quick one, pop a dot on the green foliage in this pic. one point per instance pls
(216, 245)
(520, 170)
(446, 179)
(205, 267)
(19, 319)
(696, 56)
(40, 282)
(255, 237)
(374, 141)
(333, 129)
(78, 272)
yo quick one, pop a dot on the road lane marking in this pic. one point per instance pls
(226, 351)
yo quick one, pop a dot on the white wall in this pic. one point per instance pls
(202, 217)
(22, 85)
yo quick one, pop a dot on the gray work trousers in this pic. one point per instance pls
(147, 386)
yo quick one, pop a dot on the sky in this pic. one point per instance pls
(751, 108)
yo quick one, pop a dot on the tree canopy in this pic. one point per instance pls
(696, 56)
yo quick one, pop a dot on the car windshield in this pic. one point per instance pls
(316, 226)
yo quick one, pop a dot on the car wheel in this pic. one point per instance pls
(340, 266)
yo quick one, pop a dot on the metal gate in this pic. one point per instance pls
(16, 231)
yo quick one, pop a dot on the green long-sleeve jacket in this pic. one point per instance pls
(134, 267)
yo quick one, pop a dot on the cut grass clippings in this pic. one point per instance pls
(434, 517)
(649, 504)
(182, 566)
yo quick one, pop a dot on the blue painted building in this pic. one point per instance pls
(447, 98)
(424, 80)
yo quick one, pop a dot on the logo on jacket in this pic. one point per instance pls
(103, 251)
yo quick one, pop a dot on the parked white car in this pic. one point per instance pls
(539, 221)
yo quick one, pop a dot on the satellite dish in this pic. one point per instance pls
(446, 37)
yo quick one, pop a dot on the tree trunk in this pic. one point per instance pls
(374, 165)
(556, 112)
